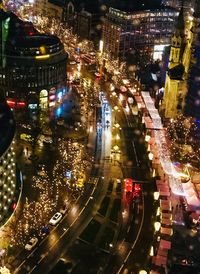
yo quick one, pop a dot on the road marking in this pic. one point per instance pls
(32, 269)
(20, 266)
(138, 234)
(95, 183)
(136, 158)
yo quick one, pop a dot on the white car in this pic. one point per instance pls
(72, 62)
(56, 218)
(47, 140)
(30, 245)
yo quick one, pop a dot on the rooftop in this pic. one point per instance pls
(22, 34)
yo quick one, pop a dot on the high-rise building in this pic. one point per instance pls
(179, 62)
(7, 162)
(147, 30)
(192, 104)
(89, 25)
(33, 65)
(63, 10)
(177, 4)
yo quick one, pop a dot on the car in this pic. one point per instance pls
(63, 209)
(56, 218)
(31, 244)
(60, 121)
(47, 140)
(72, 62)
(97, 74)
(45, 230)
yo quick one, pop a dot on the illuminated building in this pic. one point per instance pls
(148, 30)
(179, 62)
(7, 162)
(33, 65)
(192, 102)
(177, 4)
(60, 9)
(83, 17)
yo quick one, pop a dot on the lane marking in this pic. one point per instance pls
(136, 239)
(64, 231)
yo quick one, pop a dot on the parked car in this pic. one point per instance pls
(45, 231)
(31, 244)
(73, 62)
(56, 218)
(63, 209)
(47, 140)
(60, 121)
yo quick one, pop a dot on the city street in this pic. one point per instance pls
(75, 156)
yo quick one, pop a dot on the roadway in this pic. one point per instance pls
(45, 255)
(133, 247)
(51, 248)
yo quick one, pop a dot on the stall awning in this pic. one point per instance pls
(165, 244)
(166, 221)
(159, 260)
(166, 231)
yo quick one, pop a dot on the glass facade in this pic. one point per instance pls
(33, 61)
(7, 162)
(7, 180)
(143, 29)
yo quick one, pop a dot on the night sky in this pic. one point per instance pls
(127, 5)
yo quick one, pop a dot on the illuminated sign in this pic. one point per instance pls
(68, 174)
(40, 57)
(32, 106)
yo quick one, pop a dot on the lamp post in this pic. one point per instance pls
(142, 272)
(115, 152)
(157, 226)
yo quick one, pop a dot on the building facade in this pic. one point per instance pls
(177, 4)
(148, 30)
(63, 10)
(192, 104)
(88, 26)
(7, 162)
(33, 65)
(179, 62)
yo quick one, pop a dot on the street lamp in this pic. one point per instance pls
(117, 137)
(157, 226)
(156, 195)
(147, 138)
(151, 253)
(142, 272)
(150, 155)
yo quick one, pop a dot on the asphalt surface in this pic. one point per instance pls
(127, 252)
